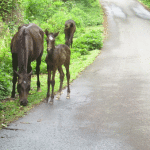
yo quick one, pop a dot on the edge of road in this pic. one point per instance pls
(146, 7)
(105, 22)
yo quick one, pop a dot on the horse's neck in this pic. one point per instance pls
(23, 60)
(23, 53)
(53, 46)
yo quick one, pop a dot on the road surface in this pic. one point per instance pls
(109, 108)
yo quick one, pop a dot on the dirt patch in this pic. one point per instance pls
(105, 23)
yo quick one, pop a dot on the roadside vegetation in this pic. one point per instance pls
(145, 2)
(51, 15)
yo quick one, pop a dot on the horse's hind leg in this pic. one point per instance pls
(38, 62)
(61, 81)
(48, 84)
(53, 84)
(14, 65)
(68, 79)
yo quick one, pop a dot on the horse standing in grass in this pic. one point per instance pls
(26, 46)
(57, 56)
(70, 28)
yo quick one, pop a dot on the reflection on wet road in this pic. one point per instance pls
(109, 108)
(140, 11)
(116, 11)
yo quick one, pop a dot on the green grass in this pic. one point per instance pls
(12, 109)
(145, 2)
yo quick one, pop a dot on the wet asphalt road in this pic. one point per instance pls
(109, 108)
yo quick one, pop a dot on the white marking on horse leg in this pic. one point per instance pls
(58, 96)
(68, 96)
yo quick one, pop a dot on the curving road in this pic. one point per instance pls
(109, 108)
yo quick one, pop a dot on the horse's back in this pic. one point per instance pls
(33, 36)
(64, 53)
(37, 35)
(62, 48)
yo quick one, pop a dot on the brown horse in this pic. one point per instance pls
(70, 28)
(56, 57)
(26, 46)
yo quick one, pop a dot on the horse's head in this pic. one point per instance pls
(23, 87)
(68, 25)
(50, 40)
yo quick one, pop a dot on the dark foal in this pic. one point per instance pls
(56, 57)
(26, 46)
(70, 28)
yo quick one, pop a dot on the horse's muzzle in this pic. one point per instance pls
(24, 102)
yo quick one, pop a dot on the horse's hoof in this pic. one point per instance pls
(68, 96)
(58, 96)
(50, 101)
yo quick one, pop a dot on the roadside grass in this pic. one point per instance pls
(145, 2)
(12, 109)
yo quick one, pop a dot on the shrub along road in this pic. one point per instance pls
(109, 104)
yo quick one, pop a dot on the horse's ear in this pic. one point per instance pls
(30, 73)
(56, 34)
(46, 32)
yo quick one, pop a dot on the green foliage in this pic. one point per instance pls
(146, 2)
(6, 7)
(5, 76)
(4, 84)
(86, 3)
(89, 16)
(1, 106)
(41, 10)
(5, 61)
(89, 41)
(10, 13)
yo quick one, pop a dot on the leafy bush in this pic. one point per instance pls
(6, 8)
(5, 62)
(5, 78)
(1, 107)
(41, 9)
(89, 41)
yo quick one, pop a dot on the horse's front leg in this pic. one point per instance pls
(14, 85)
(38, 62)
(14, 64)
